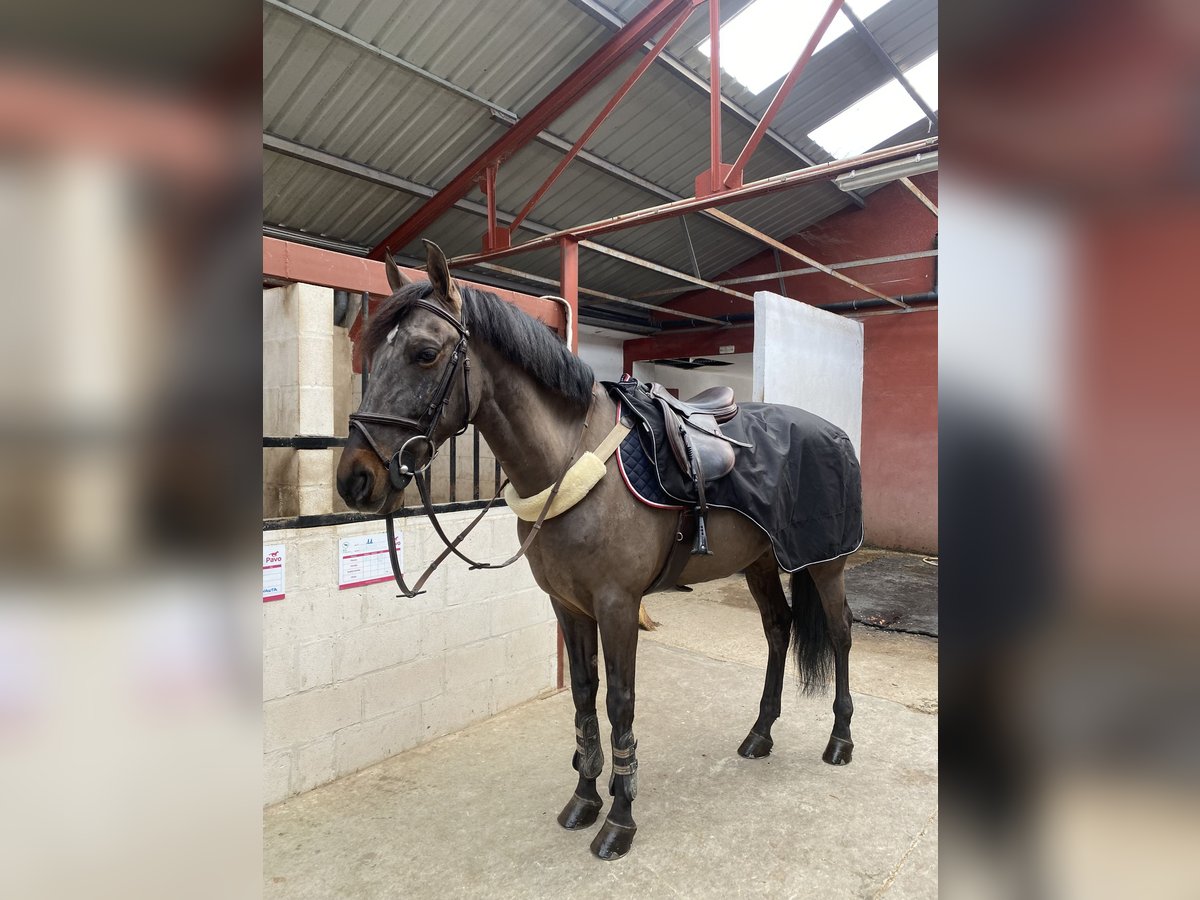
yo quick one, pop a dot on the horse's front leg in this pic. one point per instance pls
(618, 620)
(579, 637)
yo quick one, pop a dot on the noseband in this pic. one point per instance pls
(398, 472)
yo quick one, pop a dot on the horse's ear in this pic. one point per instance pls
(396, 278)
(444, 287)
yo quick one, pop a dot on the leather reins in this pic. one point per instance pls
(399, 473)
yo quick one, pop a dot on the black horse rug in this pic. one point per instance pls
(799, 480)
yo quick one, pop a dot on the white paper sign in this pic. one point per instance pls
(274, 571)
(364, 559)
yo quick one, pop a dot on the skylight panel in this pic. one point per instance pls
(924, 79)
(880, 114)
(762, 42)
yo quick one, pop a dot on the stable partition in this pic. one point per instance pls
(352, 673)
(809, 358)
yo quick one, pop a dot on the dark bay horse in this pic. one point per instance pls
(530, 397)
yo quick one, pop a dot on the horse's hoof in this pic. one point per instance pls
(613, 841)
(755, 746)
(838, 751)
(579, 813)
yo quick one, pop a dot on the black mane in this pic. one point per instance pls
(518, 337)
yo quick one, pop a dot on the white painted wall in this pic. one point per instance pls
(689, 382)
(806, 357)
(353, 677)
(604, 354)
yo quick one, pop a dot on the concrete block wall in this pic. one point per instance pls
(308, 389)
(353, 677)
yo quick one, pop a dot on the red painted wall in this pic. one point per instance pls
(899, 439)
(899, 429)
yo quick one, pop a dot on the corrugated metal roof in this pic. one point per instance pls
(330, 84)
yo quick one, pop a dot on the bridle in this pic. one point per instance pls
(399, 473)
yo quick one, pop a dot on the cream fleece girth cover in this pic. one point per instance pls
(584, 475)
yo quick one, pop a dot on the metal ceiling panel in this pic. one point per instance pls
(330, 92)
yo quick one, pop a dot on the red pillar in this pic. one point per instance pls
(568, 280)
(714, 91)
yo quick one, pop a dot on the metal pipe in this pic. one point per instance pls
(844, 306)
(874, 302)
(779, 269)
(644, 263)
(919, 194)
(687, 236)
(791, 251)
(810, 270)
(356, 250)
(890, 311)
(568, 317)
(811, 175)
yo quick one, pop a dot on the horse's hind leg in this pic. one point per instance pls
(762, 577)
(618, 619)
(579, 637)
(831, 585)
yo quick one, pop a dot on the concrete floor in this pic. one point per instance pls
(473, 814)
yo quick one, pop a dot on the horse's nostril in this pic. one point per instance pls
(361, 487)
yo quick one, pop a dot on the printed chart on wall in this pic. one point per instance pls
(274, 571)
(364, 560)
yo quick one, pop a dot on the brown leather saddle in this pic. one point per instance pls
(694, 433)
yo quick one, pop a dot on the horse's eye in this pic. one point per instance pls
(428, 355)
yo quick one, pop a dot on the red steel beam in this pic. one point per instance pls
(637, 73)
(810, 175)
(289, 261)
(734, 177)
(489, 189)
(714, 92)
(600, 64)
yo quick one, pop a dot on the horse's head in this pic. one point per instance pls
(418, 391)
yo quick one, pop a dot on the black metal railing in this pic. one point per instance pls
(444, 475)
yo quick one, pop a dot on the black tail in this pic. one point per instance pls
(810, 635)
